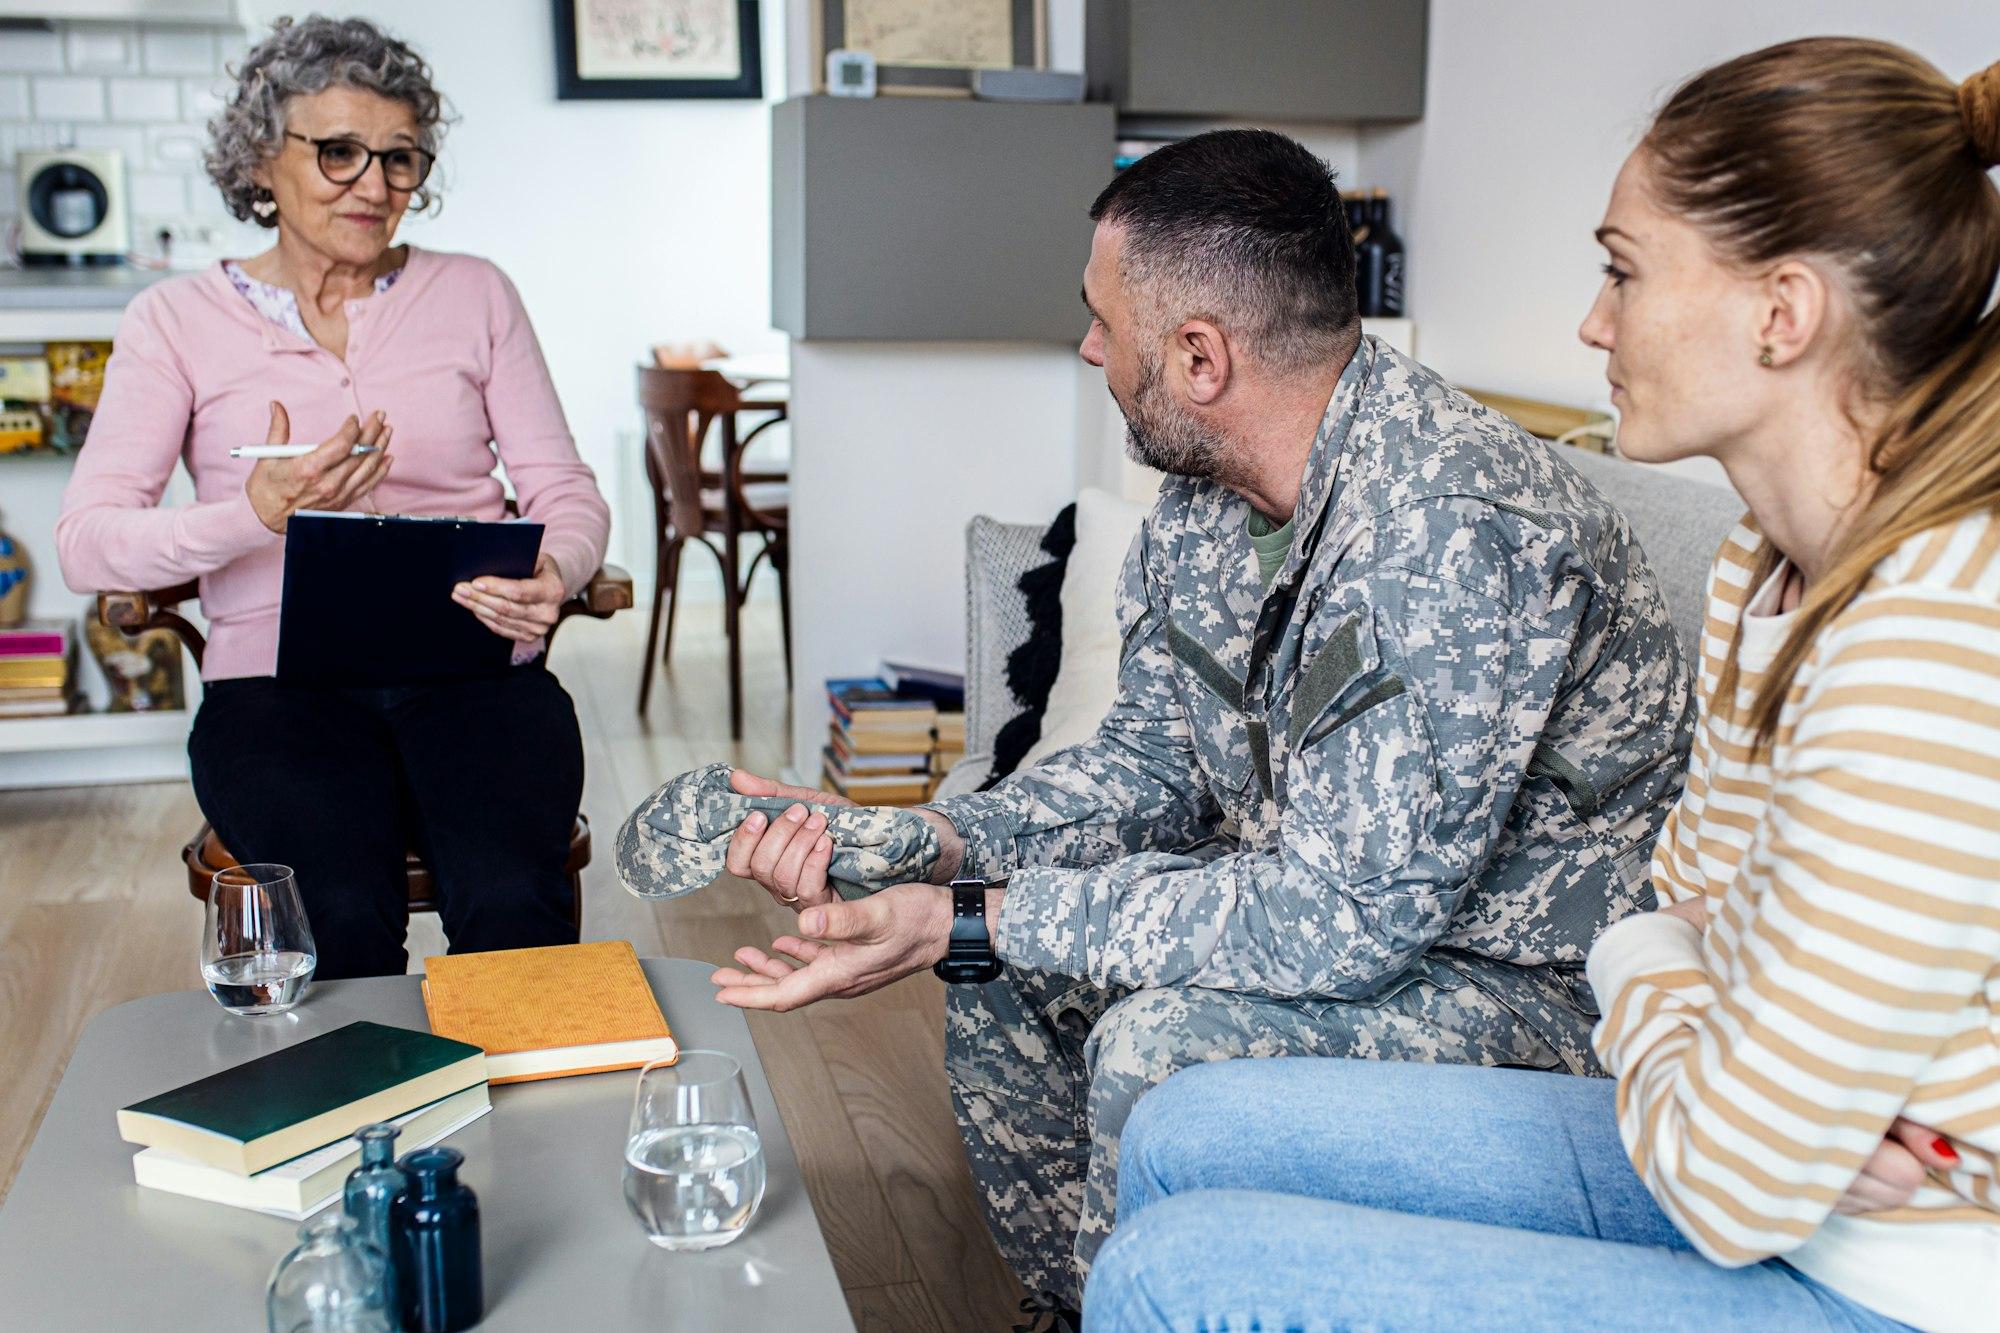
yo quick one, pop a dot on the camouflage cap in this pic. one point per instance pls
(678, 838)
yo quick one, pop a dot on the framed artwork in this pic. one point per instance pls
(629, 49)
(931, 47)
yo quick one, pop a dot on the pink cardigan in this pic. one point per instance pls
(446, 351)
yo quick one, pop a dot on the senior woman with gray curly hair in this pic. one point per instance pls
(340, 335)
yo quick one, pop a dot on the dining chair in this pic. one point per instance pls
(716, 508)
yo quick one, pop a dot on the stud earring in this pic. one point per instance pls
(263, 208)
(1764, 358)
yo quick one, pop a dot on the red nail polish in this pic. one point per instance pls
(1944, 1150)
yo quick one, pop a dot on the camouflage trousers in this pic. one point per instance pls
(1045, 1070)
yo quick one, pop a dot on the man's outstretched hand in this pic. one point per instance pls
(843, 949)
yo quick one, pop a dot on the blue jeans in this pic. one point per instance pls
(1260, 1195)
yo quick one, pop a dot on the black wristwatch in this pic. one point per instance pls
(969, 958)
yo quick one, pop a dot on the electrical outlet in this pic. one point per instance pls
(184, 242)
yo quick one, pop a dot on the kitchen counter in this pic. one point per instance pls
(74, 288)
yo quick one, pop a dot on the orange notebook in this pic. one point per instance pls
(549, 1013)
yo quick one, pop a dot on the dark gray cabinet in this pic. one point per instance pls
(930, 219)
(1309, 60)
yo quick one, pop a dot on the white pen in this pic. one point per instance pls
(291, 450)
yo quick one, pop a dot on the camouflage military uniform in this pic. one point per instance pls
(1381, 810)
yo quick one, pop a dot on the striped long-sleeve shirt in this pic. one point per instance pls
(1850, 971)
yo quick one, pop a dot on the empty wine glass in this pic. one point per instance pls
(257, 952)
(694, 1165)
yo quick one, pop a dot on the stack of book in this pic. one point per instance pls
(878, 749)
(950, 743)
(946, 689)
(273, 1134)
(35, 675)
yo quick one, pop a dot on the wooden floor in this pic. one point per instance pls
(94, 910)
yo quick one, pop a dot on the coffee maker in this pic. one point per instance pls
(72, 207)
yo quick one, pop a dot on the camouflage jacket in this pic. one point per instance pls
(1441, 744)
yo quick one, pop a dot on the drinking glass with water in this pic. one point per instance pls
(694, 1166)
(257, 952)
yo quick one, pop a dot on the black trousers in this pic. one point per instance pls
(483, 777)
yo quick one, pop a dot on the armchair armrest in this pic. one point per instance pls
(609, 590)
(135, 612)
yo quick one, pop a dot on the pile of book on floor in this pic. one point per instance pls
(892, 736)
(274, 1134)
(36, 675)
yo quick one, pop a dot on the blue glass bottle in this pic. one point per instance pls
(372, 1188)
(437, 1245)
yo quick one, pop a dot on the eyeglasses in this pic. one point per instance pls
(345, 161)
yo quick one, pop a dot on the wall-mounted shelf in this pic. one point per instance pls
(88, 749)
(93, 731)
(1322, 61)
(931, 220)
(207, 13)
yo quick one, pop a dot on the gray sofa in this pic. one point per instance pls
(1680, 523)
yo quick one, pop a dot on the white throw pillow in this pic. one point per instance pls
(1087, 677)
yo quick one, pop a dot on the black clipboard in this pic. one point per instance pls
(367, 597)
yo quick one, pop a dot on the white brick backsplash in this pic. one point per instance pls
(145, 99)
(68, 97)
(146, 92)
(156, 193)
(32, 135)
(96, 48)
(200, 100)
(205, 201)
(29, 52)
(180, 51)
(175, 148)
(125, 138)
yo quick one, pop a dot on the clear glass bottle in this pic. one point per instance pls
(372, 1188)
(334, 1280)
(437, 1245)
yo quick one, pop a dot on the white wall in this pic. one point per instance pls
(623, 223)
(1530, 110)
(898, 446)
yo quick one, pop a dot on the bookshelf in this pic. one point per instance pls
(80, 749)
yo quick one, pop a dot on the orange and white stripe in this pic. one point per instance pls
(1850, 972)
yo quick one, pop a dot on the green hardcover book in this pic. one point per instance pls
(289, 1102)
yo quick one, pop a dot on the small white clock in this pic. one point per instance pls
(850, 73)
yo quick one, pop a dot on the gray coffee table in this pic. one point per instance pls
(82, 1247)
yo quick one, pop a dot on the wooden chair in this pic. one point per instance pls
(680, 407)
(609, 591)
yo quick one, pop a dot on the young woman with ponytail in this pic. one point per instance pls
(1805, 1128)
